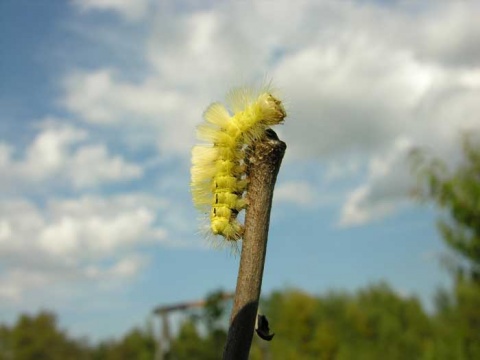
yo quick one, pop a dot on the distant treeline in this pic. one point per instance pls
(374, 323)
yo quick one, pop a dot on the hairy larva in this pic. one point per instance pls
(218, 175)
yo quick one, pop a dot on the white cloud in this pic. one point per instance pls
(9, 292)
(341, 169)
(58, 154)
(93, 165)
(48, 152)
(130, 9)
(18, 283)
(450, 34)
(76, 240)
(100, 97)
(387, 187)
(80, 228)
(95, 234)
(345, 101)
(126, 267)
(299, 193)
(14, 282)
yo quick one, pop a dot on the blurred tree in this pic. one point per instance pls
(392, 326)
(293, 316)
(5, 343)
(375, 323)
(38, 337)
(458, 194)
(188, 344)
(137, 344)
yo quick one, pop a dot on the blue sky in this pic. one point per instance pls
(99, 100)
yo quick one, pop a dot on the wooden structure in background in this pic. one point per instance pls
(164, 311)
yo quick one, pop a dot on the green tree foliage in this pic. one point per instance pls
(188, 344)
(457, 322)
(38, 337)
(137, 344)
(376, 323)
(457, 193)
(5, 343)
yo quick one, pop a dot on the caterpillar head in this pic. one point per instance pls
(272, 109)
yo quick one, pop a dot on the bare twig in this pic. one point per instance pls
(264, 165)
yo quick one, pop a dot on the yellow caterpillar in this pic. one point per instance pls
(218, 173)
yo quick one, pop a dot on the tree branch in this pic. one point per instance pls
(264, 164)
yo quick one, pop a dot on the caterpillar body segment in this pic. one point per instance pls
(218, 173)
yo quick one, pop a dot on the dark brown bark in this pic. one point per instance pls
(264, 164)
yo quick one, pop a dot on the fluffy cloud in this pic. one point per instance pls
(130, 9)
(85, 239)
(48, 152)
(59, 154)
(450, 35)
(17, 284)
(53, 242)
(102, 167)
(100, 97)
(92, 226)
(300, 193)
(387, 187)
